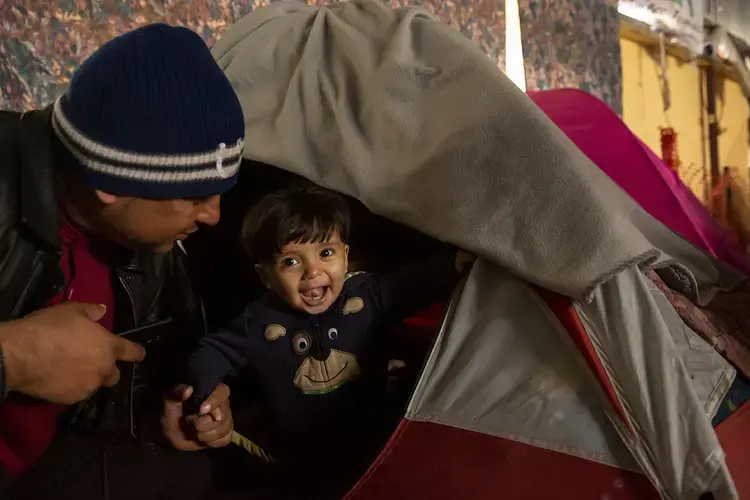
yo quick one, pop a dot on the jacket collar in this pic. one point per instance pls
(142, 263)
(39, 205)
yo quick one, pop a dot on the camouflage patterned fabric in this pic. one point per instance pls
(567, 43)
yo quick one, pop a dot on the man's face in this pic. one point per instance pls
(155, 225)
(308, 276)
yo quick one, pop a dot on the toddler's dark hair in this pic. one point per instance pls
(294, 215)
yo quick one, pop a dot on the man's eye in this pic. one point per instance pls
(328, 252)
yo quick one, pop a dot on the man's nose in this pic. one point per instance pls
(210, 211)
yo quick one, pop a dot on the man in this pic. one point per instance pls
(96, 194)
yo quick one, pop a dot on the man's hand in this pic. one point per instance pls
(61, 354)
(211, 429)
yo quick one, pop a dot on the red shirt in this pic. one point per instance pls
(28, 426)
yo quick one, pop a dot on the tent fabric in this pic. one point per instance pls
(609, 143)
(543, 394)
(674, 441)
(723, 336)
(427, 460)
(364, 99)
(501, 367)
(710, 375)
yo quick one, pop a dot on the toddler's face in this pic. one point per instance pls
(308, 276)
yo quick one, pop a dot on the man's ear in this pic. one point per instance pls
(105, 198)
(262, 274)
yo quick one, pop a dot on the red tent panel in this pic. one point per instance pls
(426, 460)
(734, 436)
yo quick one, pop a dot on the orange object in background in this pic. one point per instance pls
(669, 153)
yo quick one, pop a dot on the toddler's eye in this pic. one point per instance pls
(333, 334)
(328, 252)
(301, 342)
(288, 261)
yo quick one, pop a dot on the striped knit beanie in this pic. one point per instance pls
(151, 115)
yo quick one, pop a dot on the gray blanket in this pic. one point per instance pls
(410, 117)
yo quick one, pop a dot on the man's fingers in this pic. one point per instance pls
(179, 394)
(218, 397)
(95, 312)
(187, 391)
(126, 350)
(112, 379)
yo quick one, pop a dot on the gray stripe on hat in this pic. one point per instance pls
(217, 171)
(163, 160)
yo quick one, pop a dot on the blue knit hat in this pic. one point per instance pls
(151, 115)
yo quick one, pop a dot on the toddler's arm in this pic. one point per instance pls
(218, 355)
(414, 287)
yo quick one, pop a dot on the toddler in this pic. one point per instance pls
(313, 346)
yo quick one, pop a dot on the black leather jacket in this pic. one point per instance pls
(147, 288)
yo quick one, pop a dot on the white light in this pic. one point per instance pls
(637, 12)
(644, 14)
(514, 66)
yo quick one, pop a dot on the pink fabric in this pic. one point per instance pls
(608, 142)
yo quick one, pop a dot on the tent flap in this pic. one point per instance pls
(675, 443)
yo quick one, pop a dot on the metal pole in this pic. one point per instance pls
(713, 125)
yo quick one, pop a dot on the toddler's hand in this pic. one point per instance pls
(211, 429)
(464, 260)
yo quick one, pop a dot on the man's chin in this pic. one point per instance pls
(165, 248)
(145, 247)
(153, 249)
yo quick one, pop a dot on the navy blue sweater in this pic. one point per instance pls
(322, 371)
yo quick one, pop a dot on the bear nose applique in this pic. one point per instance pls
(320, 349)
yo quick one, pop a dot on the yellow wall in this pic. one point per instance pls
(643, 112)
(732, 113)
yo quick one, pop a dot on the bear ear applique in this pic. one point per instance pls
(274, 332)
(353, 305)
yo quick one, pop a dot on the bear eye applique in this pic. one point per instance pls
(301, 342)
(333, 334)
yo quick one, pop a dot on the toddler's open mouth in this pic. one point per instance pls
(315, 296)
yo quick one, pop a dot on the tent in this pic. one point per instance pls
(607, 141)
(559, 370)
